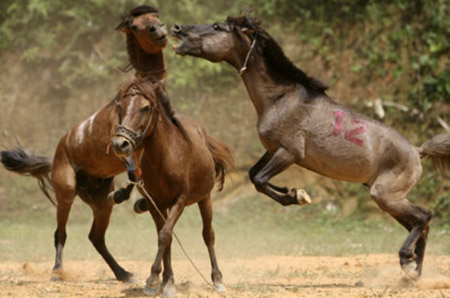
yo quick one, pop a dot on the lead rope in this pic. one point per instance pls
(140, 185)
(244, 67)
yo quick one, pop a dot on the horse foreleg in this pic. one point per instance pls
(164, 241)
(159, 223)
(258, 166)
(102, 214)
(123, 193)
(280, 161)
(206, 212)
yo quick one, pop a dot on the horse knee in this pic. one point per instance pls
(164, 237)
(259, 183)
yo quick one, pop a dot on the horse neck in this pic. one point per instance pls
(161, 135)
(146, 64)
(261, 88)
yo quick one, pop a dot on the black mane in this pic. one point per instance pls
(281, 67)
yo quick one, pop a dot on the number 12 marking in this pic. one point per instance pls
(349, 134)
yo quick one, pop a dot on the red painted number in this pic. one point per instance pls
(350, 134)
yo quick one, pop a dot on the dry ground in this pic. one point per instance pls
(375, 275)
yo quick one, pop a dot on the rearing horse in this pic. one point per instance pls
(299, 124)
(82, 166)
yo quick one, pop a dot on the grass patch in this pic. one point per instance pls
(246, 227)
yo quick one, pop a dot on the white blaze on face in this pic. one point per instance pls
(131, 106)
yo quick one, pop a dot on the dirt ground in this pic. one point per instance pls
(271, 276)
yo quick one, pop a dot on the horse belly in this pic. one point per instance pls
(340, 161)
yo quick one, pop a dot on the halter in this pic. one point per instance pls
(244, 66)
(135, 138)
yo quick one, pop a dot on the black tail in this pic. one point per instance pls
(223, 159)
(438, 149)
(28, 164)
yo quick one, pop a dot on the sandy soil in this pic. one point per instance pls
(271, 276)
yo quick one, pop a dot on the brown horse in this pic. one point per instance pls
(299, 124)
(177, 172)
(146, 37)
(83, 166)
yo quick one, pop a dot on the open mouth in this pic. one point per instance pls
(164, 37)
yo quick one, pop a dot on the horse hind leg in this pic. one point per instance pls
(414, 218)
(102, 214)
(206, 212)
(62, 214)
(64, 185)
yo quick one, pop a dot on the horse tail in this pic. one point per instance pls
(223, 159)
(28, 164)
(438, 149)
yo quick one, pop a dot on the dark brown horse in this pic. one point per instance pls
(82, 166)
(299, 124)
(177, 172)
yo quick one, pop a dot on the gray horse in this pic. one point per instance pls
(299, 124)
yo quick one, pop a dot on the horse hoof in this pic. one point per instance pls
(169, 291)
(220, 287)
(302, 197)
(139, 206)
(410, 271)
(151, 291)
(129, 279)
(110, 198)
(55, 277)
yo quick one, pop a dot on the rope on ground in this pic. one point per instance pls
(140, 185)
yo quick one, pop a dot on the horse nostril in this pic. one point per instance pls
(125, 144)
(152, 29)
(176, 28)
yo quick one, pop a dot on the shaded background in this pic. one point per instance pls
(59, 64)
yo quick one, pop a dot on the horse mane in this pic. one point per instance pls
(280, 67)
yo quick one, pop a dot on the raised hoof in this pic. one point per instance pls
(220, 287)
(151, 291)
(110, 198)
(140, 206)
(169, 290)
(302, 197)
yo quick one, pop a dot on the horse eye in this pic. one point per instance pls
(216, 27)
(145, 109)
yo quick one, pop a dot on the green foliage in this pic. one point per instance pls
(399, 48)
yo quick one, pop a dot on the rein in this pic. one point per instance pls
(244, 66)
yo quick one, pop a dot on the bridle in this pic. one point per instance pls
(135, 138)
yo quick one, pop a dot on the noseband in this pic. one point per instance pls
(135, 138)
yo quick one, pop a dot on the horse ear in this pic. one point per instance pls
(247, 30)
(124, 26)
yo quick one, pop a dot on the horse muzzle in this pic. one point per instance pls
(122, 146)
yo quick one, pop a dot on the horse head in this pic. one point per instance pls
(137, 108)
(143, 23)
(229, 41)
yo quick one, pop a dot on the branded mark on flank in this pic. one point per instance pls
(349, 134)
